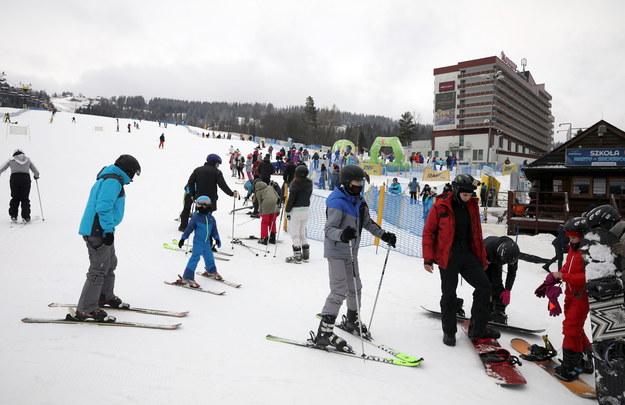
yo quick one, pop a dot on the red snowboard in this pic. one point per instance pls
(503, 373)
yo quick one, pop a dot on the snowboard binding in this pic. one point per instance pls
(500, 356)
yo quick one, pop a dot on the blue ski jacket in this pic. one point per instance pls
(105, 206)
(205, 228)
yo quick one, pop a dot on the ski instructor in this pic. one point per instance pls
(104, 211)
(205, 179)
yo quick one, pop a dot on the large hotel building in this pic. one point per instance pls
(485, 110)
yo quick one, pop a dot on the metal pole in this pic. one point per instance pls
(234, 204)
(379, 286)
(351, 255)
(39, 195)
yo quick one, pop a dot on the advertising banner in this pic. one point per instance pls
(433, 175)
(508, 169)
(595, 157)
(372, 169)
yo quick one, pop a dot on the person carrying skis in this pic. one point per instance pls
(575, 345)
(19, 182)
(104, 211)
(452, 238)
(499, 252)
(347, 214)
(297, 214)
(205, 228)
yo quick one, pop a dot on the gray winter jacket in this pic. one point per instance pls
(267, 198)
(20, 164)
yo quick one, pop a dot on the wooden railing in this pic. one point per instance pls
(540, 214)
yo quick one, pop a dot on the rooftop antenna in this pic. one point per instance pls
(523, 63)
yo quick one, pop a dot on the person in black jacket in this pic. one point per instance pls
(204, 181)
(298, 213)
(265, 170)
(500, 251)
(288, 174)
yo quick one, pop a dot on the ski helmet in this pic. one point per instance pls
(351, 172)
(203, 201)
(605, 216)
(576, 226)
(213, 159)
(464, 183)
(129, 165)
(301, 171)
(18, 152)
(508, 252)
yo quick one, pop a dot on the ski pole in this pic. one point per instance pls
(388, 250)
(351, 255)
(270, 225)
(39, 195)
(275, 251)
(234, 204)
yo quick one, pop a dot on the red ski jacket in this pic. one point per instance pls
(439, 229)
(574, 275)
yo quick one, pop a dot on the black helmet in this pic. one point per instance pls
(301, 171)
(577, 224)
(604, 215)
(213, 159)
(508, 252)
(129, 165)
(351, 172)
(464, 183)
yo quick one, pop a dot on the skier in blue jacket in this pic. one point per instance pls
(205, 228)
(395, 187)
(104, 211)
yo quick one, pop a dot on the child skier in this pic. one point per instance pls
(205, 227)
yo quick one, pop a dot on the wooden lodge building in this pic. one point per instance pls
(587, 170)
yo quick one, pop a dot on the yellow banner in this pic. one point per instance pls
(434, 175)
(372, 169)
(507, 169)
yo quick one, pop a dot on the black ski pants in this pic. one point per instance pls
(464, 262)
(20, 190)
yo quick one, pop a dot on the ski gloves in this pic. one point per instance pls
(348, 234)
(181, 243)
(505, 297)
(218, 242)
(550, 290)
(389, 238)
(288, 216)
(109, 238)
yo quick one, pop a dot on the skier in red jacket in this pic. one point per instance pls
(452, 238)
(575, 344)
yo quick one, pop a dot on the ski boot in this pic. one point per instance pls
(326, 337)
(263, 241)
(14, 220)
(188, 282)
(485, 333)
(114, 302)
(449, 339)
(351, 323)
(214, 276)
(297, 256)
(97, 315)
(305, 253)
(459, 309)
(570, 368)
(272, 238)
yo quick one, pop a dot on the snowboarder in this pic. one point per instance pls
(104, 211)
(161, 143)
(298, 213)
(452, 238)
(205, 228)
(20, 184)
(347, 214)
(268, 207)
(499, 252)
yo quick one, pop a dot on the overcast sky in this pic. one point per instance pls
(371, 57)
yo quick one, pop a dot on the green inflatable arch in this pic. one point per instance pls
(398, 152)
(342, 144)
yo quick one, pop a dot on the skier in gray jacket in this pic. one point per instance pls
(20, 184)
(347, 214)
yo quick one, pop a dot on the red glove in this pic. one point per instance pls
(505, 297)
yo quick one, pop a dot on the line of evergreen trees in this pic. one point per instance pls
(305, 124)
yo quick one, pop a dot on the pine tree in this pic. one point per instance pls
(407, 128)
(311, 118)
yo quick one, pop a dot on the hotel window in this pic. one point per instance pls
(478, 154)
(599, 186)
(581, 186)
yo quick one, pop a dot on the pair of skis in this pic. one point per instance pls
(70, 320)
(20, 224)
